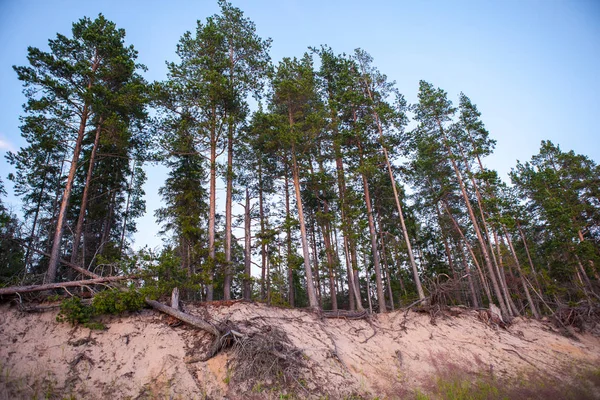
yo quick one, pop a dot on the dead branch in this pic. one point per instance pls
(345, 314)
(62, 285)
(583, 316)
(76, 267)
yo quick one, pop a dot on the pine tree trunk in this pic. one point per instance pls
(328, 251)
(84, 199)
(288, 231)
(413, 264)
(247, 248)
(228, 206)
(470, 279)
(355, 301)
(354, 262)
(126, 214)
(502, 275)
(487, 238)
(532, 306)
(374, 250)
(368, 282)
(310, 289)
(466, 242)
(533, 271)
(62, 214)
(263, 250)
(330, 264)
(484, 248)
(32, 236)
(212, 259)
(384, 263)
(315, 261)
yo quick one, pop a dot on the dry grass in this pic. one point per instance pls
(453, 381)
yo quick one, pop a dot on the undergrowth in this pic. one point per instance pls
(112, 301)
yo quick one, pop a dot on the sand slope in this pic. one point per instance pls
(141, 355)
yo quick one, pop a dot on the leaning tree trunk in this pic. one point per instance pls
(353, 292)
(484, 248)
(62, 214)
(86, 191)
(373, 235)
(471, 252)
(411, 257)
(532, 306)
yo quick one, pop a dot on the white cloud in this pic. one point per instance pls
(5, 145)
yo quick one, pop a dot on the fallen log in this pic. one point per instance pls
(59, 285)
(196, 322)
(187, 318)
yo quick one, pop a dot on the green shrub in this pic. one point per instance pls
(74, 311)
(111, 301)
(116, 302)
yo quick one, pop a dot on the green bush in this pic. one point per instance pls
(74, 311)
(115, 302)
(111, 301)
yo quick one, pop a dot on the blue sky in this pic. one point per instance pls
(532, 67)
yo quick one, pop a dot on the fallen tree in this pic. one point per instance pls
(187, 318)
(71, 265)
(59, 285)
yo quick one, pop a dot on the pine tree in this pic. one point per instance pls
(247, 63)
(296, 101)
(562, 191)
(64, 87)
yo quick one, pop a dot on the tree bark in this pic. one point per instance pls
(374, 250)
(212, 259)
(84, 199)
(288, 239)
(247, 248)
(532, 306)
(312, 298)
(126, 214)
(62, 214)
(533, 271)
(228, 205)
(466, 242)
(353, 292)
(263, 250)
(484, 248)
(187, 318)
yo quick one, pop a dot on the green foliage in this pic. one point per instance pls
(11, 252)
(116, 301)
(74, 311)
(163, 273)
(112, 301)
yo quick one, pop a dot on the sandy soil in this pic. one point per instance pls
(143, 355)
